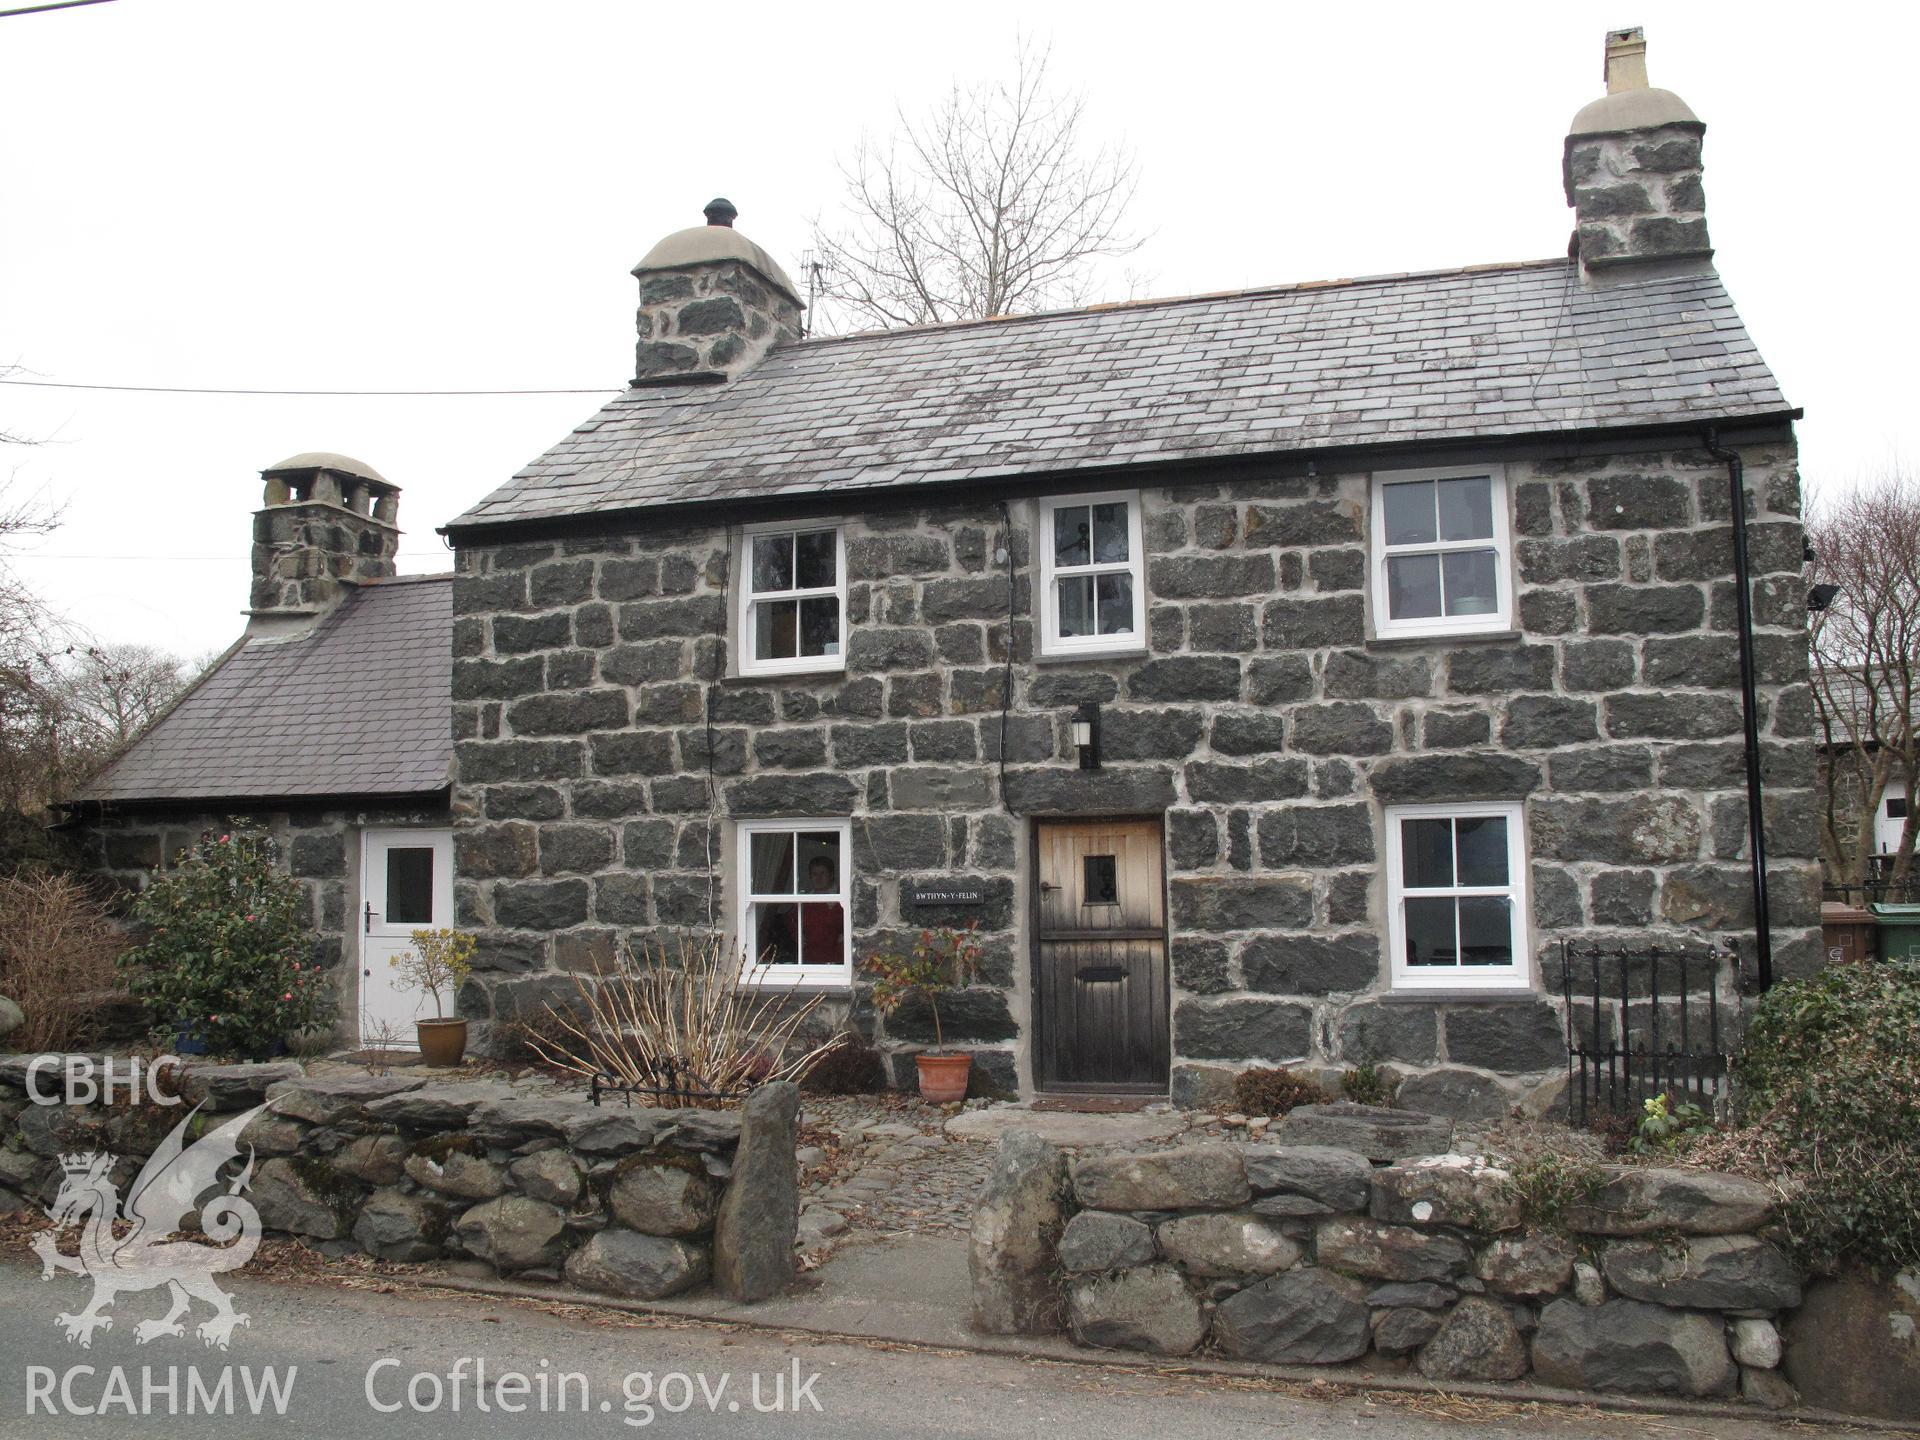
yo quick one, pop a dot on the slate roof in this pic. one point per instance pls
(358, 707)
(1504, 350)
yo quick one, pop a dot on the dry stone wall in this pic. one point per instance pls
(1310, 1254)
(635, 1202)
(603, 750)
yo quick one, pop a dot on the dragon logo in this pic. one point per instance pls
(135, 1250)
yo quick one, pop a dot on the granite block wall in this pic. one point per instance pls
(603, 750)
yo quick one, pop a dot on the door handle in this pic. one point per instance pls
(1047, 887)
(369, 929)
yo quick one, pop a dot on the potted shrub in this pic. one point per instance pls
(226, 963)
(942, 960)
(440, 960)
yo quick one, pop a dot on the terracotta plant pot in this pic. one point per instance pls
(442, 1042)
(943, 1078)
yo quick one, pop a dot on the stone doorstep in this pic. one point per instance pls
(1328, 1379)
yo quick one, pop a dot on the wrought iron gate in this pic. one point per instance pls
(1642, 1023)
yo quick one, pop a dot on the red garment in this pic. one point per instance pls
(822, 934)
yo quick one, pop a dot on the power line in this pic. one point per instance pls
(197, 390)
(54, 5)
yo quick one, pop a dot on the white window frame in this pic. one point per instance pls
(1518, 975)
(1501, 542)
(774, 976)
(748, 663)
(1052, 642)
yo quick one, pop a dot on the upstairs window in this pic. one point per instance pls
(1457, 897)
(1093, 595)
(794, 903)
(793, 615)
(1442, 557)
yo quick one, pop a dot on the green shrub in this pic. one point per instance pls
(227, 959)
(1665, 1127)
(1273, 1092)
(1369, 1085)
(1831, 1067)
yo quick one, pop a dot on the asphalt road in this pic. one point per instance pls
(362, 1365)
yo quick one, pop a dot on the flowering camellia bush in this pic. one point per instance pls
(225, 964)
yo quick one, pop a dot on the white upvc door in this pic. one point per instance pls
(406, 884)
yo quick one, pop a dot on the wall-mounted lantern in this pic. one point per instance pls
(1086, 734)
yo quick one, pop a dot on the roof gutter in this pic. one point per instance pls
(1749, 706)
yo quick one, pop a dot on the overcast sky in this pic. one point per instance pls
(423, 194)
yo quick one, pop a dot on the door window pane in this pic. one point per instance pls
(1466, 508)
(772, 858)
(1115, 593)
(820, 625)
(1426, 853)
(410, 885)
(1072, 542)
(1101, 881)
(1430, 937)
(1413, 586)
(772, 562)
(1470, 583)
(1110, 532)
(1483, 849)
(1409, 512)
(815, 553)
(1076, 605)
(1486, 930)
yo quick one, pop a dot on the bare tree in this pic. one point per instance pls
(1866, 666)
(111, 692)
(994, 204)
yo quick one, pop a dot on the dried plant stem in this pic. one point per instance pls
(697, 1019)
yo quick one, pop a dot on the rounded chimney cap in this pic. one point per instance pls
(327, 460)
(713, 243)
(1643, 109)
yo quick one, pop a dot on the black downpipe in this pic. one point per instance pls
(1749, 709)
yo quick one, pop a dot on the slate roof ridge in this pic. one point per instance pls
(1201, 297)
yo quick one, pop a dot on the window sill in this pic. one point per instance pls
(1067, 657)
(761, 677)
(1444, 637)
(1519, 994)
(770, 989)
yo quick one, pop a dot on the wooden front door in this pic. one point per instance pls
(1101, 991)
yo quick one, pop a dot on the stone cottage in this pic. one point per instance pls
(1275, 676)
(326, 722)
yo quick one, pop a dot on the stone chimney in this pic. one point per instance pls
(712, 303)
(1632, 174)
(328, 522)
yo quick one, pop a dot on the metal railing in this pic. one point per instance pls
(1642, 1023)
(1875, 892)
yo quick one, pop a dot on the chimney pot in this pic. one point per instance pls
(722, 212)
(1626, 67)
